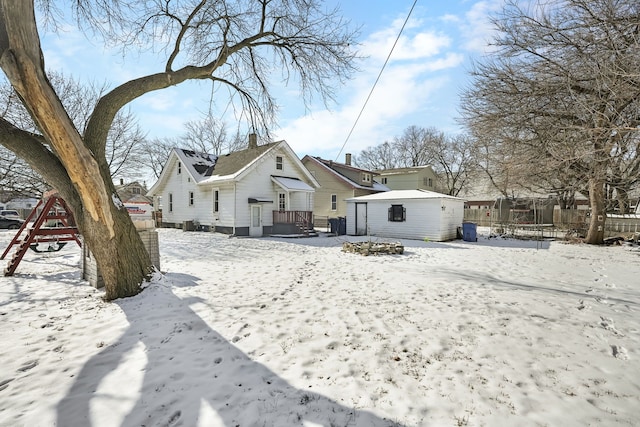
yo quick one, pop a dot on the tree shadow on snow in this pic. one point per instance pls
(189, 364)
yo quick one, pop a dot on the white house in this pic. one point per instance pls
(406, 214)
(258, 191)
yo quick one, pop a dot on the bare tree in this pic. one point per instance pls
(79, 100)
(209, 135)
(383, 156)
(453, 160)
(155, 153)
(237, 45)
(450, 157)
(564, 84)
(413, 146)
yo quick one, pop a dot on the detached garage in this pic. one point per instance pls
(405, 214)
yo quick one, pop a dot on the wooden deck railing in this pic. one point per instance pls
(292, 217)
(302, 219)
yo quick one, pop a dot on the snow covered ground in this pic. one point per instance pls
(276, 332)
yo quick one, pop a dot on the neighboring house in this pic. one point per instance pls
(406, 214)
(258, 191)
(339, 182)
(413, 178)
(133, 192)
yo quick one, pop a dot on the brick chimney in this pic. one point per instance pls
(347, 159)
(253, 140)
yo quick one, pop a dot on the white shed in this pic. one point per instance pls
(405, 214)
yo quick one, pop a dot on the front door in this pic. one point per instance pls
(361, 219)
(255, 228)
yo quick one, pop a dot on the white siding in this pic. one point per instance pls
(179, 185)
(226, 206)
(424, 219)
(233, 208)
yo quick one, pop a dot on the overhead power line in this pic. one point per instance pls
(377, 79)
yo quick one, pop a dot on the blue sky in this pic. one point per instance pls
(420, 85)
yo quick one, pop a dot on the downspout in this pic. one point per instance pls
(235, 201)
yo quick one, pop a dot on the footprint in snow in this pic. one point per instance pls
(28, 365)
(619, 352)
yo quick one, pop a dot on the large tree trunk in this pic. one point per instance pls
(85, 181)
(595, 235)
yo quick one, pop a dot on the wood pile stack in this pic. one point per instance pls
(373, 248)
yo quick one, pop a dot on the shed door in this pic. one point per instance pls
(361, 219)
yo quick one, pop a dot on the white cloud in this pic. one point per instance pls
(409, 47)
(406, 91)
(477, 29)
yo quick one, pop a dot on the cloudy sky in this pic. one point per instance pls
(419, 86)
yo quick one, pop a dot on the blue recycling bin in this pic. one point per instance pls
(469, 232)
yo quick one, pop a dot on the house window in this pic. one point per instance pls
(282, 201)
(190, 198)
(216, 201)
(384, 180)
(135, 190)
(397, 213)
(428, 182)
(279, 163)
(366, 177)
(179, 168)
(334, 202)
(170, 202)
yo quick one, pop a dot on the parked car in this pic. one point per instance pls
(10, 223)
(10, 213)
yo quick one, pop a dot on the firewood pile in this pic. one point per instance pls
(373, 248)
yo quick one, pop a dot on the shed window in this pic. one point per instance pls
(279, 163)
(190, 198)
(334, 202)
(397, 213)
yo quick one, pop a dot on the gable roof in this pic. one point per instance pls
(198, 165)
(233, 163)
(334, 169)
(207, 168)
(404, 195)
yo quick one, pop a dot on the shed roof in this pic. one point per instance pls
(405, 195)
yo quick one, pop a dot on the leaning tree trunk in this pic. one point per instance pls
(122, 259)
(103, 221)
(595, 235)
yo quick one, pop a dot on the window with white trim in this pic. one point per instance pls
(282, 202)
(190, 198)
(334, 202)
(279, 164)
(179, 168)
(170, 202)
